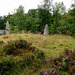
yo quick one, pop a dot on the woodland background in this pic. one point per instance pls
(55, 15)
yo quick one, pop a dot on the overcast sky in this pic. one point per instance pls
(8, 6)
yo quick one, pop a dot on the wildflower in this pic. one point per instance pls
(46, 73)
(51, 69)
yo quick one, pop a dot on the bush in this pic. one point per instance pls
(21, 47)
(19, 54)
(11, 46)
(6, 65)
(10, 64)
(64, 64)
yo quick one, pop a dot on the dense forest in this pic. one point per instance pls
(55, 15)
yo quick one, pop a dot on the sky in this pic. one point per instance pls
(8, 6)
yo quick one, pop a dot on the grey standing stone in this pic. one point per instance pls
(1, 32)
(7, 31)
(46, 31)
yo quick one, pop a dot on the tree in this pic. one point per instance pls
(44, 14)
(32, 20)
(17, 20)
(72, 26)
(57, 15)
(46, 4)
(2, 22)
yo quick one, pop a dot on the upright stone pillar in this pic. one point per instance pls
(1, 32)
(7, 31)
(46, 31)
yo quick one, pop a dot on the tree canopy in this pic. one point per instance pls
(35, 20)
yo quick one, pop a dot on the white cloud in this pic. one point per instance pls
(7, 6)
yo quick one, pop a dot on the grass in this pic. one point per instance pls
(51, 45)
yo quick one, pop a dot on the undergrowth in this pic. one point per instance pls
(37, 55)
(19, 54)
(61, 65)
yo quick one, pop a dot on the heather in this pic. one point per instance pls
(61, 65)
(36, 54)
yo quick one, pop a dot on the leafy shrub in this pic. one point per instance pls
(21, 47)
(27, 59)
(11, 46)
(6, 64)
(9, 63)
(62, 65)
(18, 55)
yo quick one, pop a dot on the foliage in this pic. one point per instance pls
(32, 60)
(18, 55)
(20, 47)
(17, 20)
(13, 45)
(35, 19)
(2, 22)
(60, 65)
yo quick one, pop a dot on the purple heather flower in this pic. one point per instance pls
(65, 55)
(57, 57)
(51, 68)
(46, 73)
(50, 71)
(54, 71)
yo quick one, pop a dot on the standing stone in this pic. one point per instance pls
(7, 31)
(46, 31)
(1, 32)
